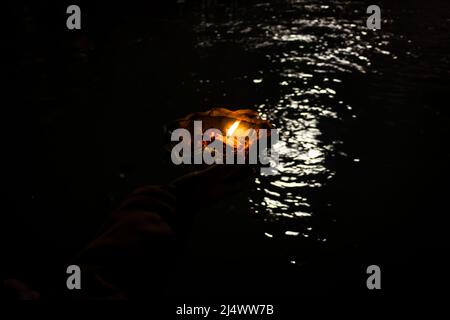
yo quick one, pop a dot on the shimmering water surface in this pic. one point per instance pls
(305, 49)
(307, 66)
(362, 115)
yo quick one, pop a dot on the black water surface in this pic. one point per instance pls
(362, 116)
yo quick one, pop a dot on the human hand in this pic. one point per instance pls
(204, 187)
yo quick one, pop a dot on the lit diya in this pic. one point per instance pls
(236, 130)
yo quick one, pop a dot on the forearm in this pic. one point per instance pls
(136, 248)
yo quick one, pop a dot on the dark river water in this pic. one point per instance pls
(348, 103)
(294, 58)
(362, 117)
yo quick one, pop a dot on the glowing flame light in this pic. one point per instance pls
(233, 128)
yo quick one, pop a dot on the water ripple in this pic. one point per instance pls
(309, 52)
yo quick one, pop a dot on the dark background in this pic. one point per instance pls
(85, 126)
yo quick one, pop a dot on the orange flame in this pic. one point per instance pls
(233, 128)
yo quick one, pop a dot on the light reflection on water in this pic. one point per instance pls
(308, 51)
